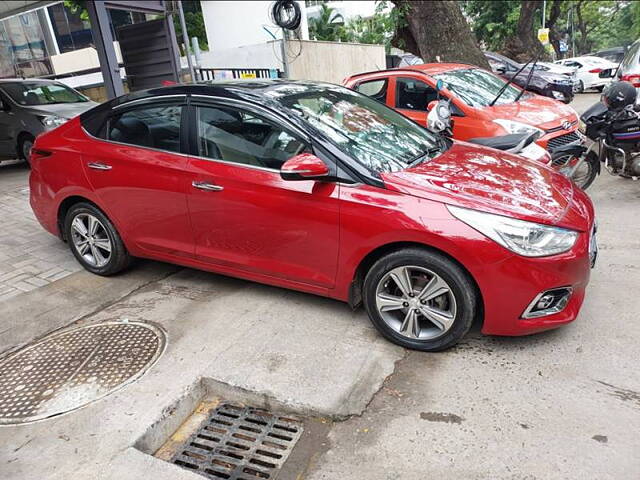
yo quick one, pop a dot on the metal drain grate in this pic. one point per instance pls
(68, 370)
(240, 443)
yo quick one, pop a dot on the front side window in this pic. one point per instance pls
(478, 88)
(376, 89)
(412, 94)
(41, 93)
(155, 126)
(373, 134)
(238, 136)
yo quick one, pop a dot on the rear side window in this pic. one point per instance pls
(376, 89)
(156, 126)
(412, 94)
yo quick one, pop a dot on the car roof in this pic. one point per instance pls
(27, 80)
(426, 68)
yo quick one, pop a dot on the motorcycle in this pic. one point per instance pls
(614, 126)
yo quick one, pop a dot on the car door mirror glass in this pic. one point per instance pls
(304, 166)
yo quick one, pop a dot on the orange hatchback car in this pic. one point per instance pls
(475, 110)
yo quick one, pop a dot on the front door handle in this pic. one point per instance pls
(209, 187)
(99, 166)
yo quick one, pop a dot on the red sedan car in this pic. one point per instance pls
(318, 188)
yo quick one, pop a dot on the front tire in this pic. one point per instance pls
(25, 144)
(419, 299)
(586, 172)
(94, 241)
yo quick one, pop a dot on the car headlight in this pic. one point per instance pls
(52, 121)
(524, 238)
(516, 127)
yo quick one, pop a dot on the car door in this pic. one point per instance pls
(138, 171)
(8, 120)
(244, 215)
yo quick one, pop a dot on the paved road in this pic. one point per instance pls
(29, 256)
(560, 405)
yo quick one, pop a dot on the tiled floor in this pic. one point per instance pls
(30, 257)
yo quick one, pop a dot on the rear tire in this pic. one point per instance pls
(420, 299)
(580, 87)
(94, 241)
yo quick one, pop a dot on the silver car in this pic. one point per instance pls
(29, 107)
(630, 67)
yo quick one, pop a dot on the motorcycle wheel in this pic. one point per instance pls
(586, 172)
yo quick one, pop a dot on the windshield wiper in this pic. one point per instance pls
(504, 87)
(423, 156)
(526, 85)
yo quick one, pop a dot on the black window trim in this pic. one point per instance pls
(338, 172)
(214, 102)
(183, 101)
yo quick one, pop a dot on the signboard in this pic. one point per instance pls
(543, 36)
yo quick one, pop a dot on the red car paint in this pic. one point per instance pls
(535, 110)
(312, 236)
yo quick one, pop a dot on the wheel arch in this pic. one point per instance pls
(355, 289)
(66, 205)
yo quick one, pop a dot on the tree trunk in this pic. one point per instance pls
(437, 32)
(524, 45)
(554, 35)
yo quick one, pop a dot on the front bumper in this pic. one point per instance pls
(561, 92)
(517, 281)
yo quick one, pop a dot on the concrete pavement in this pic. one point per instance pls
(564, 404)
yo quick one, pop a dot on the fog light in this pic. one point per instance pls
(548, 303)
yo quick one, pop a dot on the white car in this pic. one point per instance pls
(588, 71)
(558, 69)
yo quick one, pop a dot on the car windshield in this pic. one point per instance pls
(477, 88)
(373, 134)
(41, 93)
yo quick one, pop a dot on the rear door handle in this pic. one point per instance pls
(209, 187)
(99, 166)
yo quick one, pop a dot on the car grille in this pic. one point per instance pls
(563, 140)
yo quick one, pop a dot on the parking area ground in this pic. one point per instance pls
(564, 404)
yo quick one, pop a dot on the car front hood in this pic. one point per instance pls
(64, 110)
(493, 181)
(535, 110)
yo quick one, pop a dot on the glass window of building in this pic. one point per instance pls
(71, 32)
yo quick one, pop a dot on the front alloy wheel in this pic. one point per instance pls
(416, 302)
(420, 299)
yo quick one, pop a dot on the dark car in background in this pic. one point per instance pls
(614, 54)
(543, 81)
(32, 106)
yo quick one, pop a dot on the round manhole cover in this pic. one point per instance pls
(68, 370)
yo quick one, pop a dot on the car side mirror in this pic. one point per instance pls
(304, 166)
(501, 69)
(431, 104)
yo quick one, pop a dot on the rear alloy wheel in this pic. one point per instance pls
(94, 241)
(419, 299)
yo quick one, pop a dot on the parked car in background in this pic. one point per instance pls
(29, 107)
(543, 81)
(614, 54)
(629, 70)
(592, 72)
(472, 91)
(318, 188)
